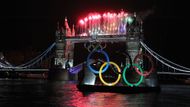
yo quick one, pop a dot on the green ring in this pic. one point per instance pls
(124, 78)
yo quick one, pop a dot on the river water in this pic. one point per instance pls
(43, 93)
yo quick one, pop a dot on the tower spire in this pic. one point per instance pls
(66, 23)
(73, 30)
(68, 30)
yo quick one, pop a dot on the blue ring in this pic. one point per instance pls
(88, 60)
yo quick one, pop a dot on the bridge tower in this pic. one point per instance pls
(134, 36)
(63, 58)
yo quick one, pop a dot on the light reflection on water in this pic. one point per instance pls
(42, 93)
(109, 100)
(69, 96)
(99, 99)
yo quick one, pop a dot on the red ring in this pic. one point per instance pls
(146, 73)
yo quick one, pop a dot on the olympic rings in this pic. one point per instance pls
(89, 47)
(107, 63)
(124, 77)
(146, 73)
(95, 46)
(103, 46)
(88, 60)
(100, 74)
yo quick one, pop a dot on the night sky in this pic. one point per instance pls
(32, 23)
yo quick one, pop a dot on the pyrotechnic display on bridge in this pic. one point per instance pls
(94, 53)
(100, 33)
(108, 23)
(113, 53)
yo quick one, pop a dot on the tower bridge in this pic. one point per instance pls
(99, 34)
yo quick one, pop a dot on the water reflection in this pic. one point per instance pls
(71, 97)
(113, 100)
(42, 93)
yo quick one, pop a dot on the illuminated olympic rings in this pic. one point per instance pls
(124, 73)
(146, 73)
(100, 74)
(88, 61)
(95, 46)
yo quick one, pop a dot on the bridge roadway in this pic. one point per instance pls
(24, 70)
(173, 73)
(46, 70)
(99, 38)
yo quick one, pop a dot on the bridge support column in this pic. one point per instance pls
(134, 36)
(69, 55)
(63, 59)
(133, 47)
(58, 69)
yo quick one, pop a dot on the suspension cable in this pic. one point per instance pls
(163, 61)
(33, 61)
(163, 57)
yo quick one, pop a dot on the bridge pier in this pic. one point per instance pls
(63, 59)
(152, 80)
(58, 74)
(134, 36)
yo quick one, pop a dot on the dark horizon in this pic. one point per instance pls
(32, 24)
